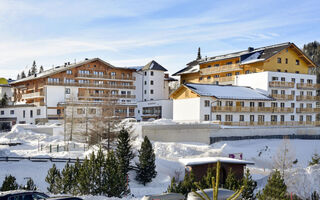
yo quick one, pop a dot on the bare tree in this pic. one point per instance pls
(284, 157)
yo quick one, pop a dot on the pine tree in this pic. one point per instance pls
(53, 178)
(41, 69)
(75, 178)
(34, 69)
(84, 178)
(23, 75)
(30, 185)
(4, 101)
(315, 196)
(206, 181)
(29, 73)
(66, 178)
(99, 164)
(114, 181)
(232, 182)
(124, 151)
(9, 183)
(146, 166)
(249, 186)
(315, 160)
(275, 188)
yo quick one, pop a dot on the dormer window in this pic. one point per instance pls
(297, 62)
(278, 60)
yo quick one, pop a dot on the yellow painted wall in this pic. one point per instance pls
(272, 65)
(183, 93)
(220, 62)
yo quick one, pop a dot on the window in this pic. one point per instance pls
(209, 66)
(38, 112)
(292, 105)
(216, 65)
(200, 78)
(145, 82)
(260, 118)
(301, 93)
(237, 73)
(301, 80)
(206, 103)
(53, 80)
(309, 93)
(251, 118)
(151, 82)
(80, 111)
(11, 112)
(216, 76)
(309, 105)
(309, 118)
(282, 105)
(206, 117)
(113, 73)
(218, 117)
(2, 112)
(274, 78)
(69, 72)
(209, 77)
(278, 70)
(151, 73)
(274, 118)
(58, 112)
(283, 92)
(297, 62)
(292, 117)
(219, 103)
(251, 104)
(92, 111)
(278, 60)
(297, 72)
(282, 118)
(301, 105)
(240, 103)
(68, 80)
(229, 74)
(67, 90)
(229, 63)
(301, 118)
(123, 92)
(151, 91)
(241, 118)
(274, 104)
(309, 81)
(229, 103)
(228, 118)
(283, 79)
(261, 104)
(293, 92)
(293, 80)
(24, 114)
(84, 72)
(247, 72)
(31, 113)
(145, 73)
(286, 60)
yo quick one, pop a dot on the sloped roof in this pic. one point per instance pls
(62, 68)
(153, 65)
(227, 92)
(192, 67)
(207, 160)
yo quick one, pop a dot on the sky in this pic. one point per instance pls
(134, 32)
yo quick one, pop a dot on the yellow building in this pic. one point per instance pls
(285, 57)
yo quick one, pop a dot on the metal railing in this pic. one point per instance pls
(276, 123)
(283, 96)
(251, 109)
(308, 110)
(217, 69)
(281, 84)
(96, 76)
(111, 86)
(307, 98)
(310, 86)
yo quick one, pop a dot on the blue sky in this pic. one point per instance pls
(133, 32)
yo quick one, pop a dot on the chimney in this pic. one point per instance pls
(86, 59)
(250, 49)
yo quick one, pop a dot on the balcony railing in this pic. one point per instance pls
(97, 95)
(308, 86)
(307, 98)
(307, 110)
(282, 84)
(220, 80)
(222, 68)
(96, 76)
(278, 123)
(32, 95)
(117, 86)
(283, 96)
(251, 109)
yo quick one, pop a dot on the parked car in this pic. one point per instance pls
(165, 196)
(22, 195)
(223, 194)
(63, 198)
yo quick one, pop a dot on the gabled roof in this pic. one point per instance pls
(227, 92)
(192, 67)
(59, 69)
(153, 65)
(207, 160)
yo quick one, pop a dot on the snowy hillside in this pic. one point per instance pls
(167, 159)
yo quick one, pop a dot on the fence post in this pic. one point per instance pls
(50, 148)
(58, 148)
(41, 147)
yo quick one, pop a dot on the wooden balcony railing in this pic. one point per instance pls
(281, 84)
(32, 95)
(283, 96)
(307, 110)
(96, 76)
(222, 68)
(106, 96)
(116, 86)
(284, 123)
(307, 98)
(251, 109)
(220, 79)
(308, 86)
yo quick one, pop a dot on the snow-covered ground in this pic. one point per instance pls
(167, 160)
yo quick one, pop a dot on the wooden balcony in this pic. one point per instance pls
(281, 84)
(308, 86)
(222, 68)
(251, 109)
(86, 85)
(105, 77)
(32, 95)
(307, 98)
(307, 110)
(283, 96)
(97, 95)
(278, 123)
(220, 80)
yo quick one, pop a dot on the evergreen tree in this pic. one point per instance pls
(315, 196)
(99, 164)
(275, 189)
(249, 186)
(315, 160)
(206, 181)
(34, 69)
(23, 75)
(53, 179)
(30, 185)
(146, 166)
(114, 180)
(75, 178)
(92, 172)
(9, 183)
(183, 187)
(18, 77)
(4, 101)
(66, 178)
(29, 73)
(84, 178)
(41, 69)
(124, 151)
(232, 182)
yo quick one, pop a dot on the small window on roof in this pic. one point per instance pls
(278, 60)
(297, 62)
(216, 65)
(229, 63)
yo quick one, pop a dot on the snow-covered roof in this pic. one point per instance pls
(207, 160)
(188, 70)
(227, 92)
(153, 65)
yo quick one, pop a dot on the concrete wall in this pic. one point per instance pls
(18, 113)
